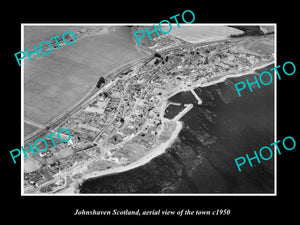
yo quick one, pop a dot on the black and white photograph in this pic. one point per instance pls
(147, 113)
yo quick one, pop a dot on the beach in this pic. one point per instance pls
(223, 78)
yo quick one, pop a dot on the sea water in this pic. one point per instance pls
(201, 160)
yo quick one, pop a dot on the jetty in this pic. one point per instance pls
(197, 97)
(187, 108)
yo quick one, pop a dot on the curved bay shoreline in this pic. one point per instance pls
(159, 150)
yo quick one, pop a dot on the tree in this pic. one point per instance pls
(69, 37)
(98, 84)
(206, 60)
(156, 61)
(156, 54)
(105, 94)
(102, 80)
(167, 58)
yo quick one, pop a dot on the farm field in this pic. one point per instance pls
(31, 164)
(34, 35)
(198, 33)
(267, 29)
(256, 45)
(56, 81)
(28, 128)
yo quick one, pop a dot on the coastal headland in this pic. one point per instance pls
(121, 126)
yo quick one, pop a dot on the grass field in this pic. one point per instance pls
(28, 128)
(267, 29)
(31, 164)
(34, 35)
(56, 81)
(201, 33)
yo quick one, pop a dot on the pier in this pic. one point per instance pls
(173, 103)
(187, 108)
(196, 97)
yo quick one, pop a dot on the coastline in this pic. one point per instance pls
(223, 78)
(157, 151)
(153, 153)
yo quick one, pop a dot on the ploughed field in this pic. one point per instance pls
(54, 82)
(196, 33)
(34, 35)
(28, 129)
